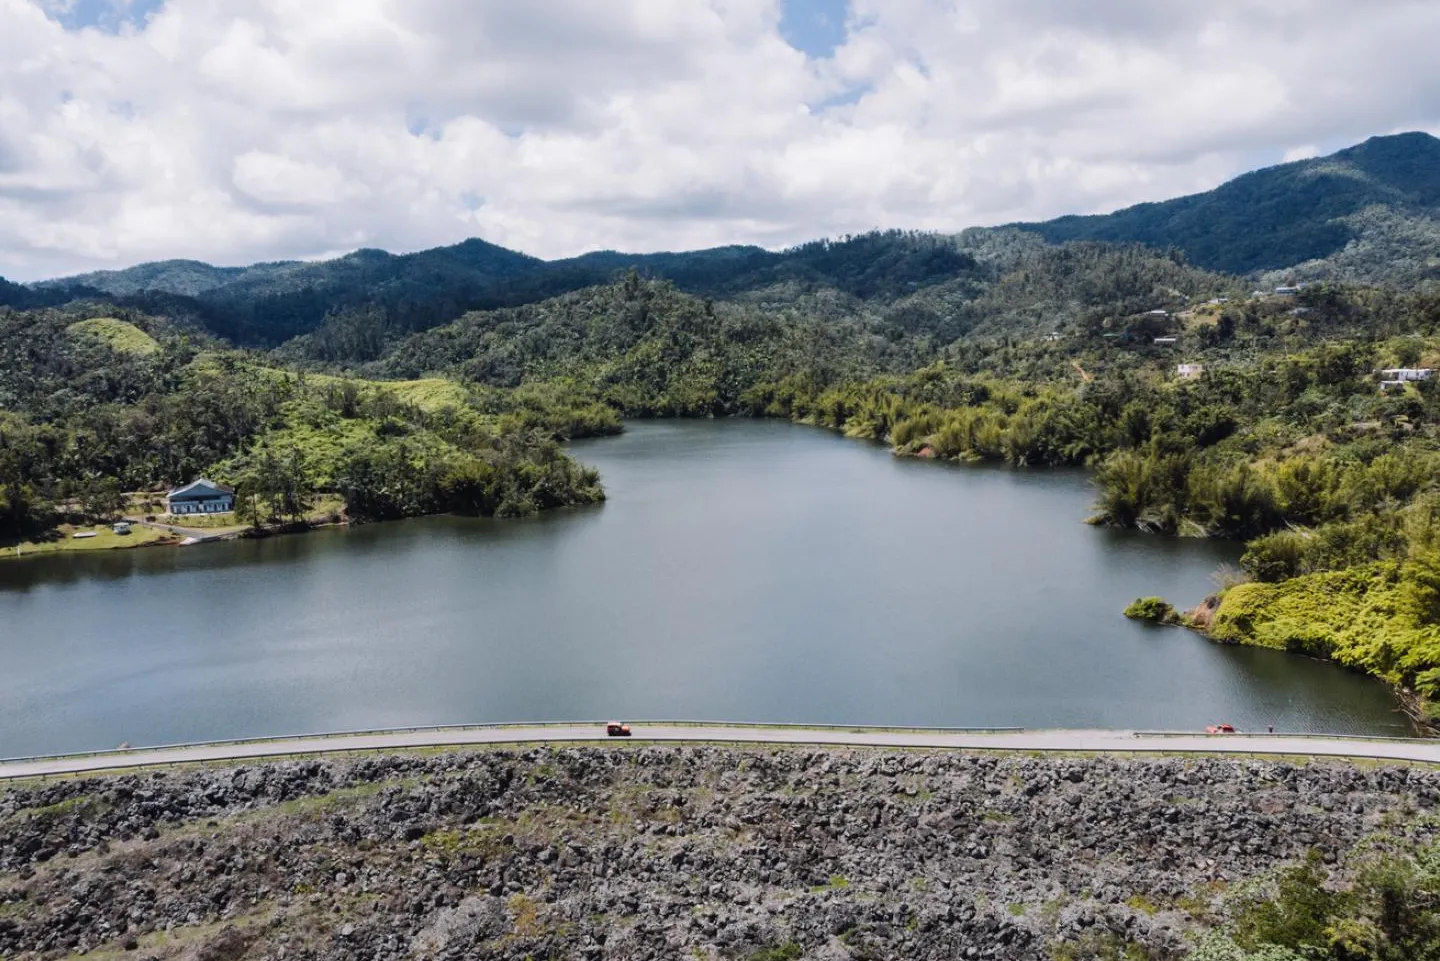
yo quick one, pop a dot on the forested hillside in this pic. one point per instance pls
(268, 304)
(91, 407)
(1382, 196)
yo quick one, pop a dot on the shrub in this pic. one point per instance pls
(1152, 609)
(786, 952)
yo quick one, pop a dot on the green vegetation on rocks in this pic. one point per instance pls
(1152, 609)
(1381, 618)
(1380, 905)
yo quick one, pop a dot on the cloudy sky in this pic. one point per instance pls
(241, 130)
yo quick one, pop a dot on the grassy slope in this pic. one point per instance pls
(122, 337)
(430, 394)
(322, 436)
(322, 439)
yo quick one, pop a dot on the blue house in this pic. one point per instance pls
(201, 497)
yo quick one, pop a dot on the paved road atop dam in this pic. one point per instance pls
(1103, 742)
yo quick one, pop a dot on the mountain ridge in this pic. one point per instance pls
(1398, 170)
(1368, 214)
(1276, 217)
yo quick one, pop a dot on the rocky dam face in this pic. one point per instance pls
(672, 852)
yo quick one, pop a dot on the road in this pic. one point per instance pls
(1081, 741)
(199, 534)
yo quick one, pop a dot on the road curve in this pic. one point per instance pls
(1108, 742)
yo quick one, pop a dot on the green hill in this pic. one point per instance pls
(1282, 216)
(269, 304)
(186, 277)
(120, 336)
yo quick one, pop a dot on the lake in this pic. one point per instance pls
(741, 570)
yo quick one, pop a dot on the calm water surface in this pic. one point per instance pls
(740, 571)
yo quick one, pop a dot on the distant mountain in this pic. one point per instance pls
(473, 261)
(1369, 214)
(22, 297)
(868, 265)
(185, 277)
(645, 334)
(268, 304)
(1384, 194)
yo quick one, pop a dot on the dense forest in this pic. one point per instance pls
(91, 407)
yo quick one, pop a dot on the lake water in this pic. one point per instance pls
(749, 571)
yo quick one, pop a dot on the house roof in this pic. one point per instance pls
(201, 486)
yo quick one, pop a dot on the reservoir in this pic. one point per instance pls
(740, 571)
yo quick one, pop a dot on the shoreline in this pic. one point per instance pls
(1198, 620)
(171, 537)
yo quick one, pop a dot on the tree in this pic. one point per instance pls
(100, 498)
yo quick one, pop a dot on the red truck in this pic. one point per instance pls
(616, 729)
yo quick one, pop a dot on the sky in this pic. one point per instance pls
(235, 131)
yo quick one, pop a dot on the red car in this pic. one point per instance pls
(616, 729)
(1220, 729)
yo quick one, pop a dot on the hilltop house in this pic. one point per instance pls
(201, 497)
(1165, 341)
(1404, 374)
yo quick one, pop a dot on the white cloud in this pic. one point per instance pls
(238, 130)
(283, 181)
